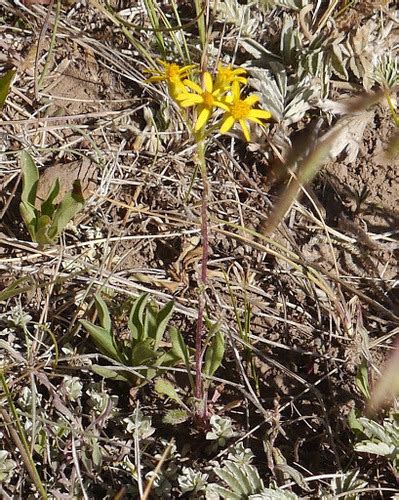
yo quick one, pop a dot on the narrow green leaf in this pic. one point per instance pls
(178, 345)
(5, 84)
(294, 474)
(103, 313)
(362, 380)
(96, 453)
(30, 178)
(67, 209)
(214, 354)
(103, 340)
(355, 424)
(14, 289)
(180, 349)
(136, 317)
(29, 215)
(150, 322)
(48, 207)
(111, 374)
(162, 320)
(338, 62)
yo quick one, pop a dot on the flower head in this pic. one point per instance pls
(226, 75)
(206, 98)
(172, 74)
(241, 111)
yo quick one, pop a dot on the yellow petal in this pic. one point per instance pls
(208, 83)
(155, 79)
(235, 90)
(184, 96)
(242, 80)
(193, 86)
(259, 113)
(239, 71)
(226, 125)
(177, 88)
(255, 120)
(245, 130)
(221, 105)
(251, 99)
(203, 117)
(187, 68)
(186, 104)
(193, 98)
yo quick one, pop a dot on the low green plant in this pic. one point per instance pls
(47, 223)
(244, 483)
(143, 349)
(377, 439)
(5, 84)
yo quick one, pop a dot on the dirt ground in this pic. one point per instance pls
(321, 291)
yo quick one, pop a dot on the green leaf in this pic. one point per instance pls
(96, 453)
(269, 494)
(381, 449)
(5, 83)
(162, 320)
(337, 62)
(136, 317)
(111, 374)
(103, 313)
(214, 354)
(15, 288)
(163, 386)
(43, 224)
(180, 349)
(30, 178)
(362, 379)
(243, 480)
(287, 470)
(355, 424)
(103, 340)
(142, 354)
(176, 416)
(48, 207)
(29, 216)
(178, 345)
(150, 322)
(71, 204)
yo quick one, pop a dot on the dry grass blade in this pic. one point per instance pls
(307, 169)
(309, 166)
(275, 335)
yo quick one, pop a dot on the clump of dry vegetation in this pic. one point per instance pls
(198, 249)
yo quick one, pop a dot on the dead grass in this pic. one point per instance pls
(304, 289)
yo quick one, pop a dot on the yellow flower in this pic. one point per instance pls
(241, 110)
(205, 98)
(226, 75)
(172, 74)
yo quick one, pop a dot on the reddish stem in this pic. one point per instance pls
(203, 280)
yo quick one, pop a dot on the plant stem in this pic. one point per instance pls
(203, 278)
(19, 438)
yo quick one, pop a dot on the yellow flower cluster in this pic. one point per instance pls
(222, 92)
